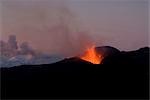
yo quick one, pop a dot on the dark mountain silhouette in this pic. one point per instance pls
(122, 75)
(107, 51)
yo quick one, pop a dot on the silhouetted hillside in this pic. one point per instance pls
(121, 75)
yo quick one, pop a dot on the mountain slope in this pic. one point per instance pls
(122, 75)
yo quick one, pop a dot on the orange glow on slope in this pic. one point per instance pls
(92, 56)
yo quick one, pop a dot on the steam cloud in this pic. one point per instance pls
(12, 54)
(11, 49)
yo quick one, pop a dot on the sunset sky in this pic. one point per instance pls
(67, 26)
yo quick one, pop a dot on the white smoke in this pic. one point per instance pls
(13, 54)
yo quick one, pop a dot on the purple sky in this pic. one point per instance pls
(67, 26)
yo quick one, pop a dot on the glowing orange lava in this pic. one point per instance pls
(92, 56)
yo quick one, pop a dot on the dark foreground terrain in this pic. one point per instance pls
(122, 75)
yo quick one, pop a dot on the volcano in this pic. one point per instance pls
(91, 55)
(120, 75)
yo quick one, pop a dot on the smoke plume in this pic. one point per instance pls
(49, 25)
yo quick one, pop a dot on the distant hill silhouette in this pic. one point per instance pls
(107, 51)
(122, 75)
